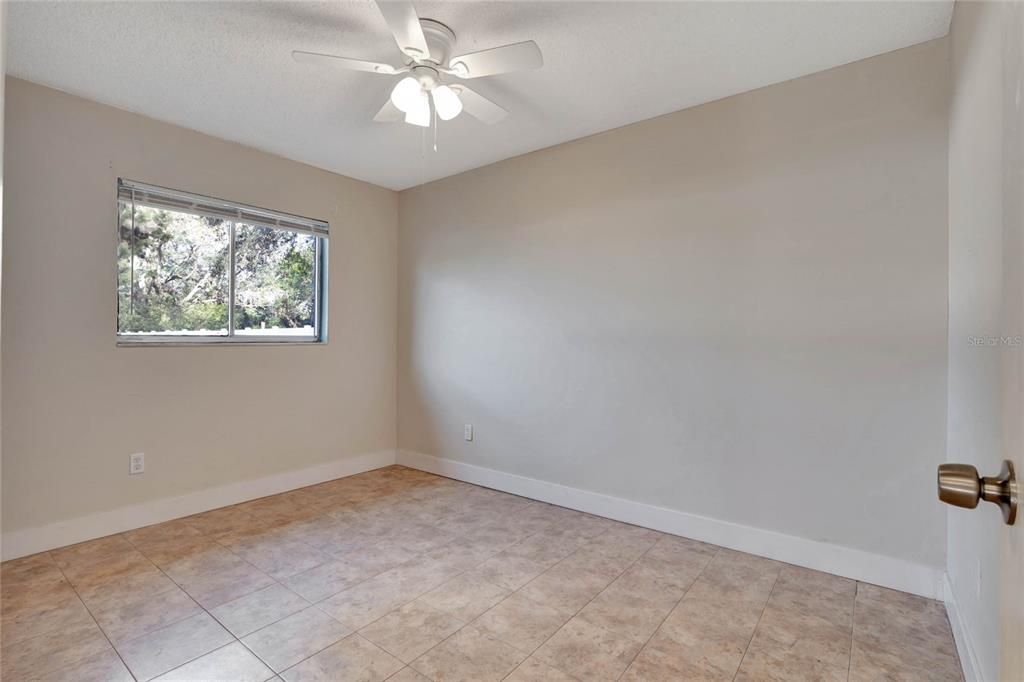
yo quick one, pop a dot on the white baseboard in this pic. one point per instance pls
(31, 540)
(961, 635)
(876, 569)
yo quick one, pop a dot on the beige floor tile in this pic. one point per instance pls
(585, 525)
(465, 596)
(626, 541)
(588, 652)
(327, 534)
(410, 631)
(707, 635)
(509, 571)
(221, 522)
(277, 555)
(564, 588)
(353, 658)
(765, 664)
(598, 560)
(92, 552)
(254, 611)
(46, 617)
(116, 568)
(900, 602)
(682, 551)
(328, 579)
(130, 588)
(419, 554)
(232, 662)
(407, 674)
(378, 557)
(106, 666)
(165, 649)
(419, 577)
(533, 670)
(916, 631)
(869, 664)
(656, 665)
(794, 636)
(738, 578)
(624, 612)
(366, 602)
(522, 623)
(217, 577)
(58, 649)
(167, 542)
(21, 601)
(814, 593)
(132, 618)
(419, 537)
(469, 656)
(546, 548)
(23, 580)
(295, 638)
(464, 554)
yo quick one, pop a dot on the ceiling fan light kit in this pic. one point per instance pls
(428, 46)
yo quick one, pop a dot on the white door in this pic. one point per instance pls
(1012, 351)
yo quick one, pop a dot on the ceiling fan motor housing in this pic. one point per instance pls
(440, 41)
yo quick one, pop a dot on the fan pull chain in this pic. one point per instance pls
(435, 128)
(423, 155)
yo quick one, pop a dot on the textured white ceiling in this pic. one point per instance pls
(225, 68)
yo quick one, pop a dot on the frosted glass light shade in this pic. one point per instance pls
(419, 113)
(406, 94)
(446, 102)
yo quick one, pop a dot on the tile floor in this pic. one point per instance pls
(400, 575)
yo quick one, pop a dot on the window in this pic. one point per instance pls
(195, 269)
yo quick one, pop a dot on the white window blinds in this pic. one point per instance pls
(176, 200)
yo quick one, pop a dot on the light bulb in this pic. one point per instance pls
(419, 113)
(446, 102)
(406, 93)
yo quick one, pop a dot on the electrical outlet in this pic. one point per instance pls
(136, 463)
(467, 432)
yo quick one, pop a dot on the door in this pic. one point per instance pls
(1012, 351)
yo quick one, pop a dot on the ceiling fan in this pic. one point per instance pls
(428, 48)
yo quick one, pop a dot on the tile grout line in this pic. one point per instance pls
(418, 596)
(180, 620)
(511, 592)
(674, 607)
(208, 611)
(457, 575)
(759, 617)
(619, 575)
(89, 611)
(252, 519)
(853, 627)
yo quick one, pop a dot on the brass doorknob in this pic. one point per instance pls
(960, 486)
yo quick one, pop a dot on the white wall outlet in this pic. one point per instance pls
(467, 432)
(136, 463)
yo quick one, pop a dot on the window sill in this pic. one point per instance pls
(184, 341)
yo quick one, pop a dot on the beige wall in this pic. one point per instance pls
(75, 405)
(984, 283)
(737, 310)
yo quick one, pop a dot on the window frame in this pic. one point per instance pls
(320, 234)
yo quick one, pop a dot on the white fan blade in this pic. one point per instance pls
(405, 26)
(478, 106)
(515, 57)
(342, 62)
(389, 113)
